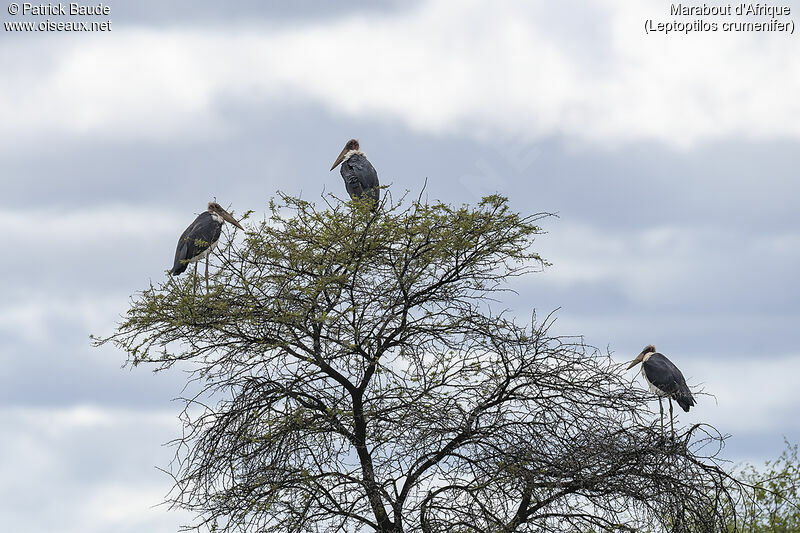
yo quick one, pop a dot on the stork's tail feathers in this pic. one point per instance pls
(685, 401)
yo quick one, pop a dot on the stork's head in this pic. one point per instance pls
(352, 145)
(214, 207)
(649, 349)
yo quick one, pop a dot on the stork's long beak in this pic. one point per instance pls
(339, 159)
(636, 361)
(229, 218)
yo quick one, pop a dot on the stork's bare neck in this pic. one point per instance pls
(350, 154)
(214, 214)
(350, 149)
(221, 216)
(645, 354)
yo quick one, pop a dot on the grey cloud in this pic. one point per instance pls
(747, 186)
(88, 475)
(188, 12)
(65, 370)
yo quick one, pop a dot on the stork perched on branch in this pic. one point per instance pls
(360, 177)
(665, 380)
(200, 237)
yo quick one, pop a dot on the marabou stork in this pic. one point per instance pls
(360, 178)
(664, 379)
(197, 241)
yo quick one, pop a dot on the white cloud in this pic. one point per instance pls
(55, 422)
(737, 395)
(525, 71)
(69, 243)
(716, 301)
(752, 394)
(114, 507)
(673, 266)
(91, 469)
(75, 228)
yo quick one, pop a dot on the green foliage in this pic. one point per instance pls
(775, 507)
(295, 267)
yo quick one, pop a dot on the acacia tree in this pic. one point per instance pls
(350, 374)
(775, 506)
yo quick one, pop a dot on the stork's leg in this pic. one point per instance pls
(206, 275)
(661, 408)
(671, 422)
(194, 280)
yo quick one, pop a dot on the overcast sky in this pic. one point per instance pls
(671, 161)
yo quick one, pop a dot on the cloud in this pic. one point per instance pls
(653, 246)
(706, 290)
(752, 394)
(670, 267)
(92, 469)
(77, 227)
(41, 319)
(57, 422)
(527, 71)
(57, 247)
(738, 395)
(79, 253)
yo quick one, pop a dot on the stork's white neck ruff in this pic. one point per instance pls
(350, 154)
(218, 219)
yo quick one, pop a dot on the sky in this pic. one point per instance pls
(670, 159)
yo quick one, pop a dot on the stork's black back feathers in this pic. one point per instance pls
(206, 230)
(665, 376)
(360, 178)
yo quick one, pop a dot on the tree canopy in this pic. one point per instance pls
(775, 506)
(349, 371)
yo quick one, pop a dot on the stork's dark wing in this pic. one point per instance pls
(195, 239)
(360, 177)
(662, 373)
